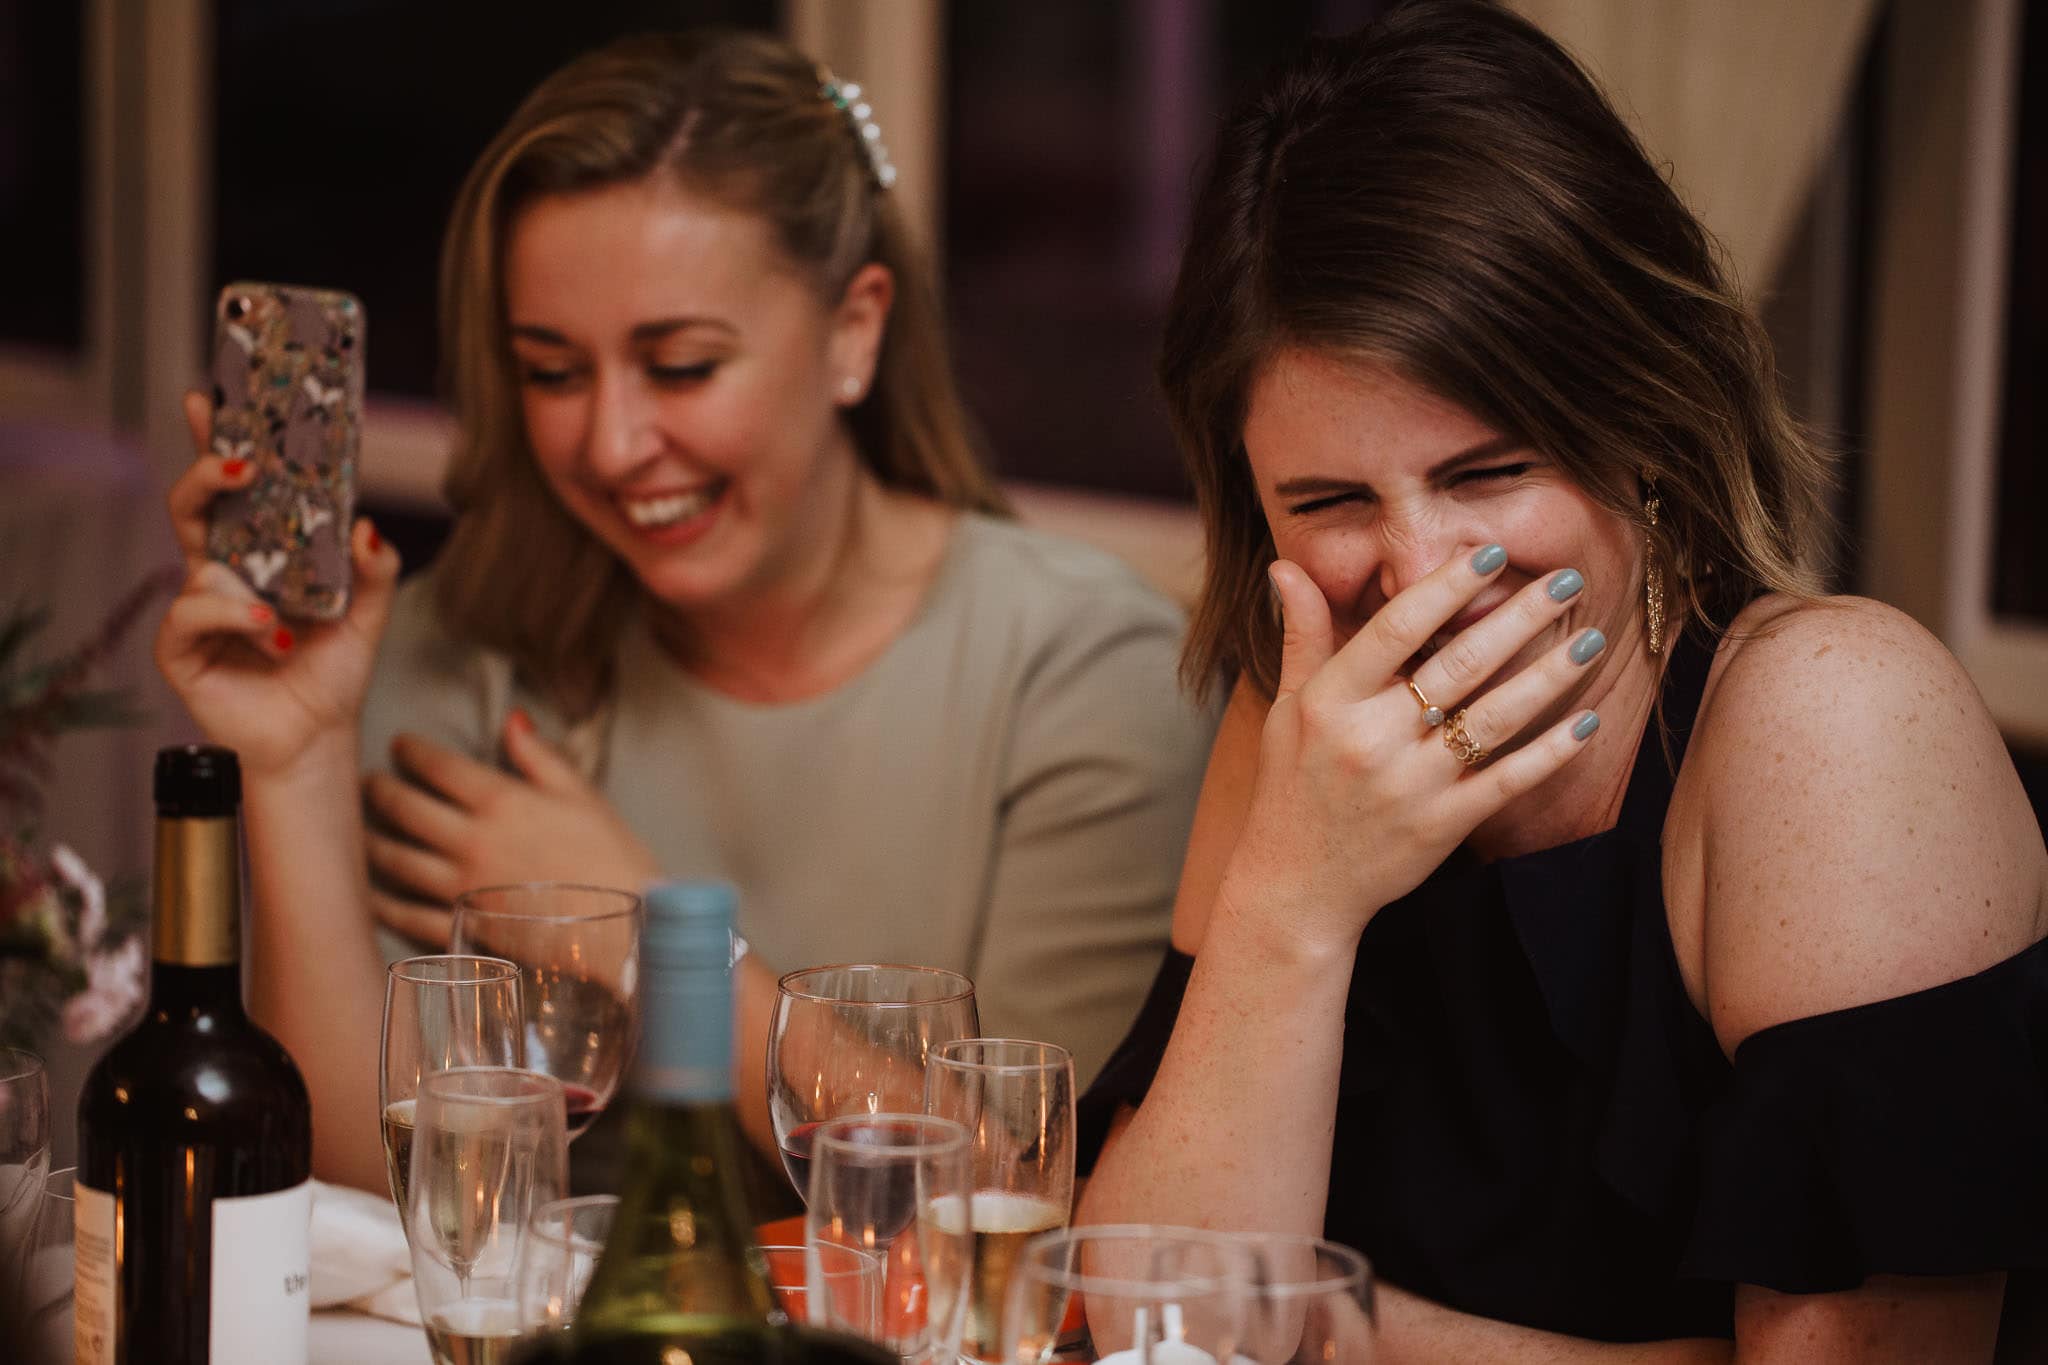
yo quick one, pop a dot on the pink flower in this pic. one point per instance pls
(114, 987)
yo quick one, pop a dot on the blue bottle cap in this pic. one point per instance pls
(686, 964)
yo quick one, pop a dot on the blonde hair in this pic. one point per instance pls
(735, 116)
(1445, 192)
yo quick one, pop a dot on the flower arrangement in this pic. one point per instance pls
(70, 952)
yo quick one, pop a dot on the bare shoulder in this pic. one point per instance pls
(1861, 833)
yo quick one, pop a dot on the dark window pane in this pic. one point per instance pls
(2019, 577)
(42, 172)
(1074, 130)
(344, 127)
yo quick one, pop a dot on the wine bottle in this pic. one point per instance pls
(194, 1195)
(680, 1277)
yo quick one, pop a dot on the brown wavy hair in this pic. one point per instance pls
(738, 117)
(1445, 192)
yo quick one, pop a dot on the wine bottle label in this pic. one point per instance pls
(260, 1302)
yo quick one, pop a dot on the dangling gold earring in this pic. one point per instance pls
(1653, 574)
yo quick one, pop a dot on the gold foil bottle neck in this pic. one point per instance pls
(198, 900)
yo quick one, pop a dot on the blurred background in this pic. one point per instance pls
(1876, 169)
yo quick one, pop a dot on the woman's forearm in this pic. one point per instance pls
(1236, 1130)
(317, 977)
(1413, 1331)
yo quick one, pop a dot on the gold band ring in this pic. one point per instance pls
(1463, 745)
(1432, 716)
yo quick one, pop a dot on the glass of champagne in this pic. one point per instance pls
(564, 1238)
(853, 1040)
(1312, 1303)
(490, 1145)
(1150, 1296)
(1016, 1101)
(24, 1167)
(442, 1010)
(892, 1186)
(578, 951)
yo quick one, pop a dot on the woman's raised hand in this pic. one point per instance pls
(1358, 798)
(267, 689)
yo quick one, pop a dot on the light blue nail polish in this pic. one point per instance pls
(1564, 585)
(1584, 726)
(1489, 559)
(1581, 650)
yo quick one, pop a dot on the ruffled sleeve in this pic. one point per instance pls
(1127, 1075)
(1907, 1136)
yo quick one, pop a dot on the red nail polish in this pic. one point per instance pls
(376, 541)
(283, 639)
(520, 720)
(260, 614)
(233, 468)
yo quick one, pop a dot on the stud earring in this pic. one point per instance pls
(849, 388)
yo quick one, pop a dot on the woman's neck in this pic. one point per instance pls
(820, 624)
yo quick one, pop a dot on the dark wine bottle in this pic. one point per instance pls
(680, 1278)
(194, 1194)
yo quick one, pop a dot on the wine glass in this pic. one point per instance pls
(1312, 1303)
(1016, 1100)
(47, 1278)
(851, 1279)
(892, 1186)
(490, 1145)
(1150, 1296)
(24, 1165)
(578, 950)
(853, 1040)
(564, 1238)
(442, 1010)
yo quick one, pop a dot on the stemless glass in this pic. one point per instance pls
(893, 1186)
(1016, 1100)
(578, 950)
(24, 1165)
(490, 1145)
(564, 1238)
(853, 1040)
(1312, 1303)
(443, 1010)
(1163, 1295)
(851, 1279)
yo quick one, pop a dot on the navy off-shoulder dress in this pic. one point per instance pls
(1535, 1125)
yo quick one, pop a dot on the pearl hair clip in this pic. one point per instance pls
(860, 117)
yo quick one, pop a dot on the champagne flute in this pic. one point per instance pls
(442, 1010)
(853, 1040)
(1150, 1296)
(1311, 1303)
(578, 951)
(1016, 1100)
(893, 1186)
(490, 1145)
(564, 1238)
(24, 1168)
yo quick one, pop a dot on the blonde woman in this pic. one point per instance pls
(728, 594)
(1634, 952)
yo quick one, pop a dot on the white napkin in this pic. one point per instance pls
(360, 1258)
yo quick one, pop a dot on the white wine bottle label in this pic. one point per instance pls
(261, 1261)
(92, 1302)
(260, 1302)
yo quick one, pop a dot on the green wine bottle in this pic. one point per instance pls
(680, 1281)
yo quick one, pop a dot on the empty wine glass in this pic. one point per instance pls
(1312, 1302)
(564, 1238)
(442, 1010)
(1150, 1296)
(892, 1186)
(490, 1145)
(851, 1279)
(853, 1040)
(578, 951)
(1016, 1100)
(24, 1166)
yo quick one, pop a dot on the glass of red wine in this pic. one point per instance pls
(578, 953)
(853, 1040)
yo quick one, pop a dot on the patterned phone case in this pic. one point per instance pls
(288, 394)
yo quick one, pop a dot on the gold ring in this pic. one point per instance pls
(1462, 744)
(1432, 716)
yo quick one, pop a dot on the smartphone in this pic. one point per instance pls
(288, 395)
